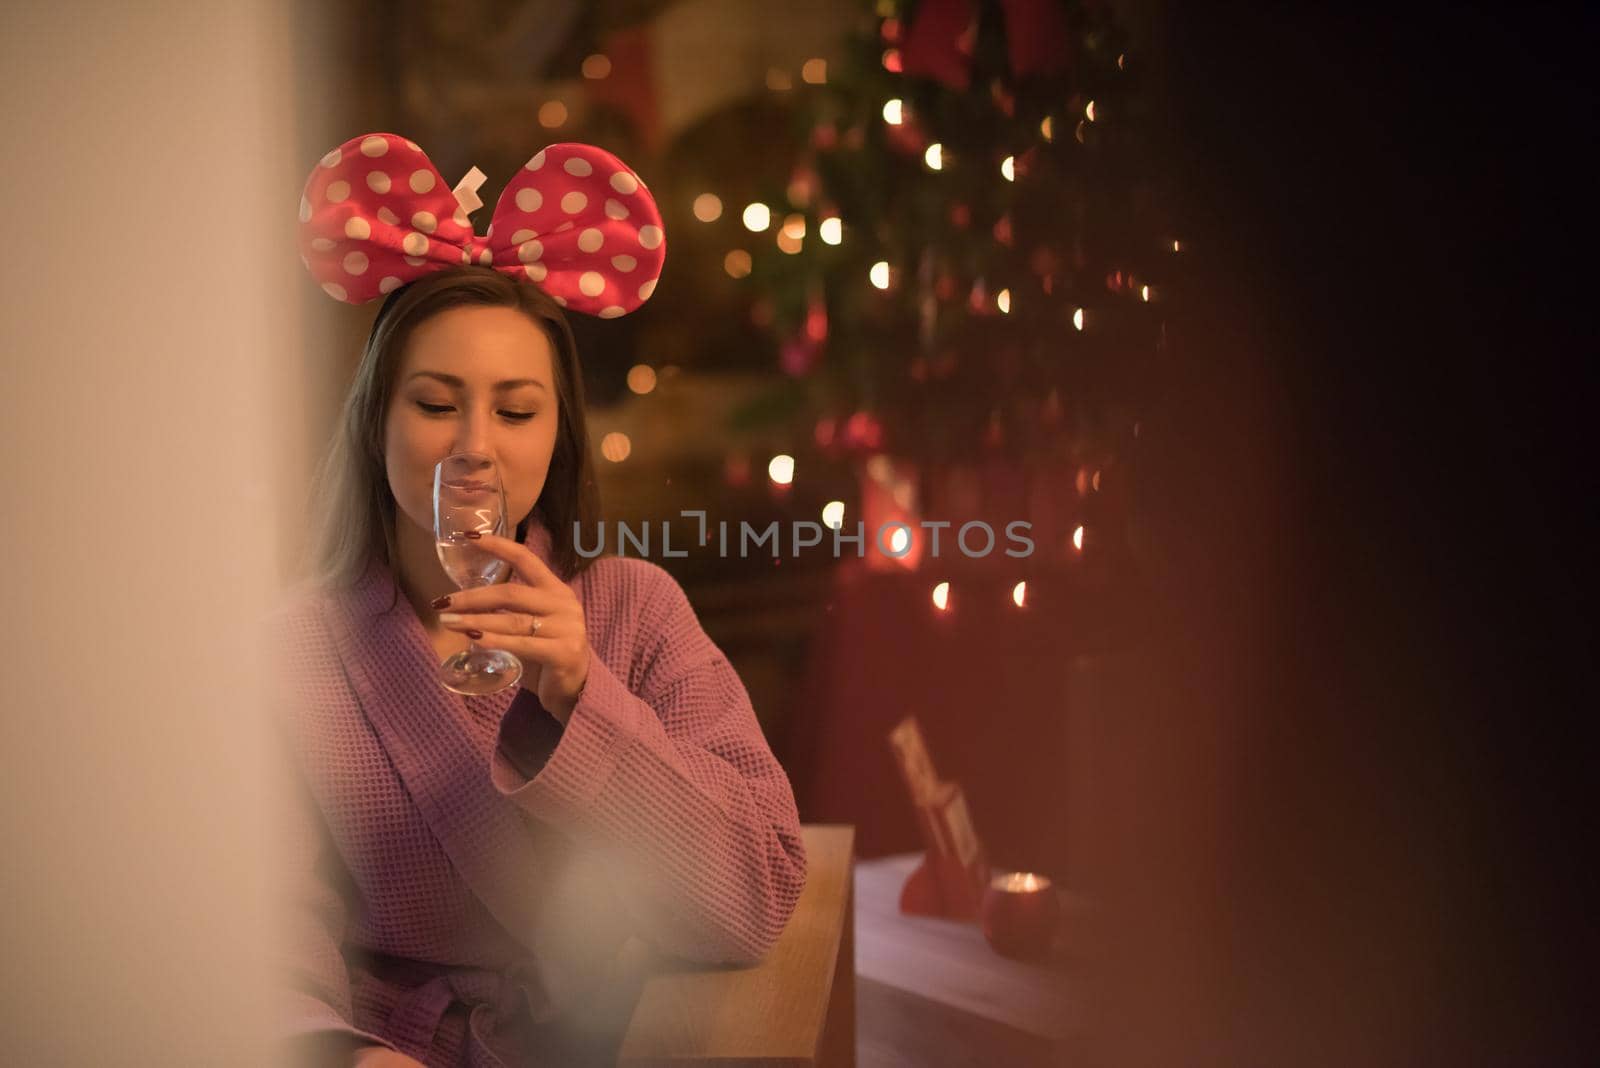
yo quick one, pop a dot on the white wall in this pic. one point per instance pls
(149, 304)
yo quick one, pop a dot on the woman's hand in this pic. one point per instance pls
(540, 623)
(383, 1057)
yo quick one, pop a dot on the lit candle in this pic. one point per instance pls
(1020, 913)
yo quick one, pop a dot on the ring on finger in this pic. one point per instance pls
(533, 630)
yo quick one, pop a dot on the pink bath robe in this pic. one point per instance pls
(465, 870)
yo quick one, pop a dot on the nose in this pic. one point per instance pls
(473, 433)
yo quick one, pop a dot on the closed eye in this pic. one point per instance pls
(439, 409)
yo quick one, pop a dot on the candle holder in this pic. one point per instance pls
(1020, 913)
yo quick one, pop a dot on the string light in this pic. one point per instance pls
(781, 469)
(1019, 594)
(1077, 539)
(791, 236)
(879, 275)
(615, 446)
(1095, 482)
(941, 595)
(1175, 246)
(934, 157)
(1002, 301)
(1047, 129)
(814, 72)
(737, 263)
(552, 114)
(1008, 169)
(1077, 318)
(596, 67)
(779, 81)
(1120, 60)
(894, 112)
(757, 218)
(899, 540)
(891, 61)
(1144, 294)
(1088, 111)
(833, 515)
(641, 378)
(831, 230)
(708, 207)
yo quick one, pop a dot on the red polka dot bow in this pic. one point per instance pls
(575, 220)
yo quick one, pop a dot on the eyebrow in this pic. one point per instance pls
(452, 380)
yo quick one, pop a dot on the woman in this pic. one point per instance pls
(469, 869)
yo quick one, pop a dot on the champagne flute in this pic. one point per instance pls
(467, 495)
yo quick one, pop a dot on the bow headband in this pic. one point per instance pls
(575, 220)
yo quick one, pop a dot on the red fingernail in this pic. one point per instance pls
(474, 535)
(474, 634)
(440, 602)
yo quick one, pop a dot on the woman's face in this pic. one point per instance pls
(472, 379)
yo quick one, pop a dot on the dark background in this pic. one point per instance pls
(1363, 493)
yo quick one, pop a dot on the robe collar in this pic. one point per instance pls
(441, 755)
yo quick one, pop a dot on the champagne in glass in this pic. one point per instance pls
(467, 495)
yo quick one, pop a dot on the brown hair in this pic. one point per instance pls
(352, 504)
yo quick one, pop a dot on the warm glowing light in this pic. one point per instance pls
(880, 274)
(934, 157)
(615, 446)
(552, 113)
(941, 595)
(891, 61)
(641, 378)
(596, 67)
(1008, 168)
(1144, 293)
(781, 469)
(1047, 129)
(894, 112)
(1120, 60)
(1088, 111)
(791, 236)
(708, 207)
(814, 72)
(737, 263)
(1077, 318)
(1095, 482)
(757, 217)
(1019, 594)
(1077, 538)
(899, 540)
(1176, 247)
(779, 81)
(1020, 882)
(833, 514)
(1078, 133)
(1002, 301)
(831, 230)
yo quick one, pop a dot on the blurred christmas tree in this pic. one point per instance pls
(962, 272)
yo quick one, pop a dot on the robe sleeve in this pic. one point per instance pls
(314, 980)
(676, 783)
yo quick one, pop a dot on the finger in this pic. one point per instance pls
(514, 623)
(544, 650)
(512, 597)
(526, 562)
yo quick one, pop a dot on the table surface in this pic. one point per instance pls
(950, 962)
